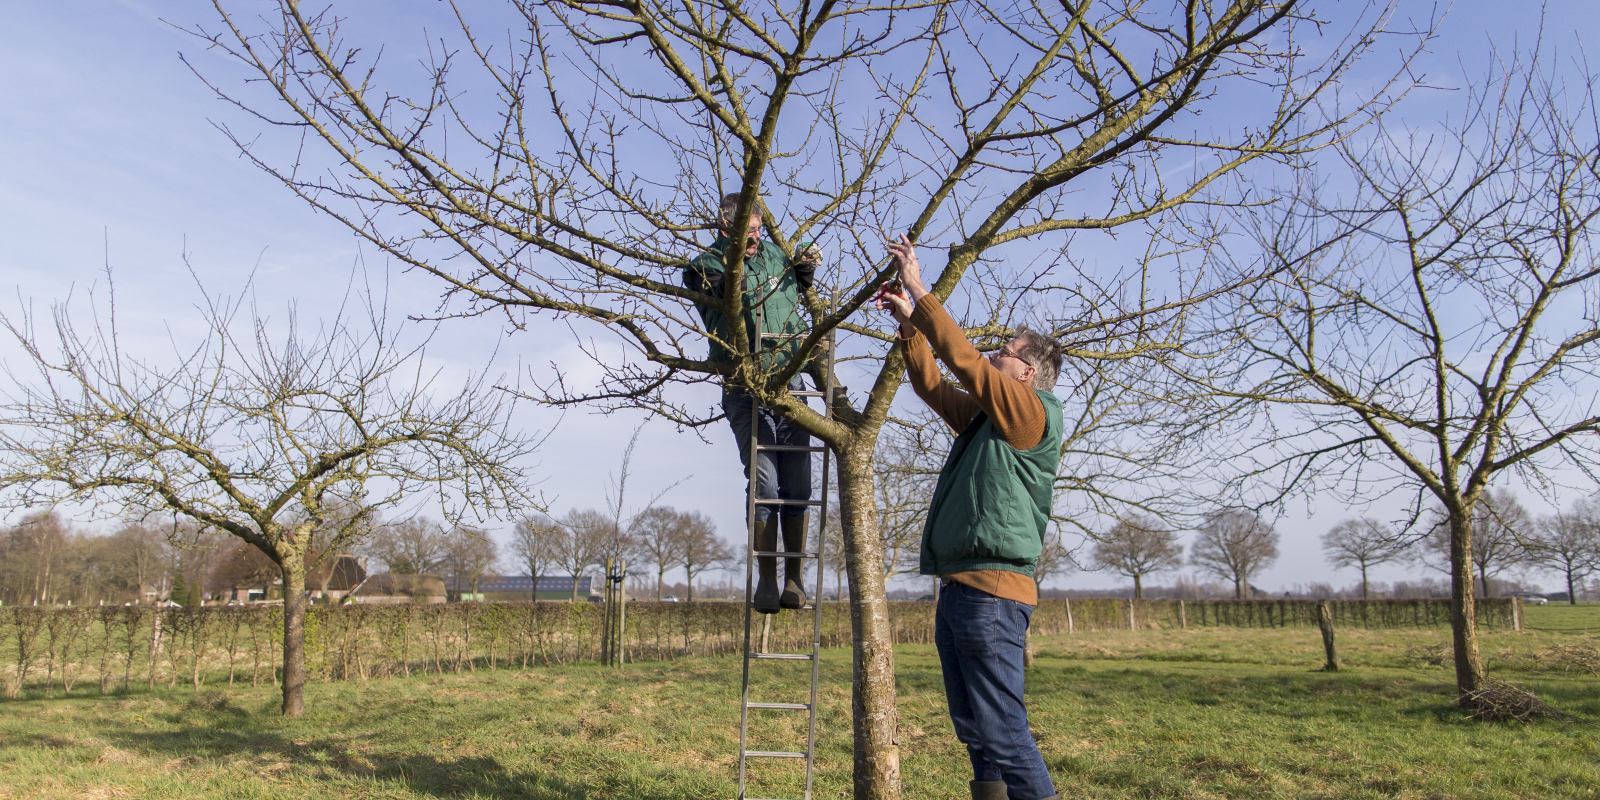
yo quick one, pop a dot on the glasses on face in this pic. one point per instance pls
(1006, 352)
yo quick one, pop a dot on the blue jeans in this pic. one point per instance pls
(980, 641)
(778, 475)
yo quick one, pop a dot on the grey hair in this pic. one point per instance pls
(730, 204)
(1043, 352)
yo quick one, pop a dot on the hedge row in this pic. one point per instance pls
(120, 648)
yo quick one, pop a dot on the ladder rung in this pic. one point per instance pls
(782, 502)
(790, 448)
(780, 706)
(782, 554)
(771, 754)
(784, 336)
(808, 393)
(781, 656)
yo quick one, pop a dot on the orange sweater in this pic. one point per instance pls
(1011, 405)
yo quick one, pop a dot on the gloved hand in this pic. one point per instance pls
(805, 261)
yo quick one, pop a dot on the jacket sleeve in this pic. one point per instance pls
(952, 405)
(709, 281)
(1017, 412)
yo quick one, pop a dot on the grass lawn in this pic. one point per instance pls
(1151, 714)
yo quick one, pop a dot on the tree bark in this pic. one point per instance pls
(1138, 586)
(294, 636)
(1463, 605)
(1363, 580)
(1329, 644)
(877, 748)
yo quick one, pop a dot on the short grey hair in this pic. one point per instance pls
(1041, 351)
(730, 204)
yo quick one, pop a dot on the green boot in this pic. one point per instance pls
(794, 541)
(989, 790)
(766, 598)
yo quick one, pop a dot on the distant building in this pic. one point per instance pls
(520, 587)
(389, 588)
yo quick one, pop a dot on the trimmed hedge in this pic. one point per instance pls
(120, 648)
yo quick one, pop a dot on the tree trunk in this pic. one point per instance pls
(1463, 606)
(1238, 588)
(1363, 580)
(1138, 586)
(1572, 595)
(294, 637)
(877, 748)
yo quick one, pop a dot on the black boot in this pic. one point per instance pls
(794, 541)
(766, 598)
(988, 790)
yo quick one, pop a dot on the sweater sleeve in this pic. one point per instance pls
(1016, 410)
(952, 405)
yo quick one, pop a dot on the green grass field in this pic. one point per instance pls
(1215, 713)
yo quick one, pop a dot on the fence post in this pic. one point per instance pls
(1516, 614)
(1067, 602)
(1325, 621)
(1183, 617)
(1132, 625)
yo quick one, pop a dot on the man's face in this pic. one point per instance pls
(1005, 359)
(752, 237)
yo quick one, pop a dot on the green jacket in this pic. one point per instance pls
(770, 283)
(991, 505)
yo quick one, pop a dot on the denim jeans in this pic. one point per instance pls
(778, 475)
(980, 642)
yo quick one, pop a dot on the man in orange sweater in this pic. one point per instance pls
(986, 524)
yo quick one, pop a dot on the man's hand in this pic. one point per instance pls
(910, 271)
(891, 299)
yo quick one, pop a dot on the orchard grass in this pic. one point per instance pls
(1212, 713)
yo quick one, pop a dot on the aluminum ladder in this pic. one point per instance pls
(814, 595)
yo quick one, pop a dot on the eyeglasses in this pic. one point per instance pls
(1005, 352)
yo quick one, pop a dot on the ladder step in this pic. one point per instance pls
(782, 502)
(781, 656)
(784, 336)
(780, 706)
(771, 754)
(790, 448)
(808, 393)
(782, 554)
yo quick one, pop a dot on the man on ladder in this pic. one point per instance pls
(772, 288)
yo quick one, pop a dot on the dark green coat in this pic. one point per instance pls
(991, 506)
(769, 283)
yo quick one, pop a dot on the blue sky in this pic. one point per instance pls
(111, 155)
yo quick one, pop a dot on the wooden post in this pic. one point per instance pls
(1068, 603)
(1325, 621)
(1183, 616)
(1516, 614)
(1132, 625)
(1027, 649)
(766, 631)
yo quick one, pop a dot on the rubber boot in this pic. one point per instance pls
(794, 541)
(766, 598)
(988, 790)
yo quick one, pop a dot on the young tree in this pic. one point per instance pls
(659, 533)
(1234, 544)
(535, 544)
(701, 547)
(1419, 332)
(1008, 115)
(1362, 543)
(1138, 546)
(256, 433)
(1567, 544)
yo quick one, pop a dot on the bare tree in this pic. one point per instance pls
(242, 565)
(252, 432)
(1363, 543)
(587, 535)
(701, 547)
(1432, 328)
(33, 550)
(469, 557)
(1234, 544)
(536, 544)
(1009, 115)
(1568, 544)
(1499, 526)
(412, 546)
(659, 534)
(1136, 547)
